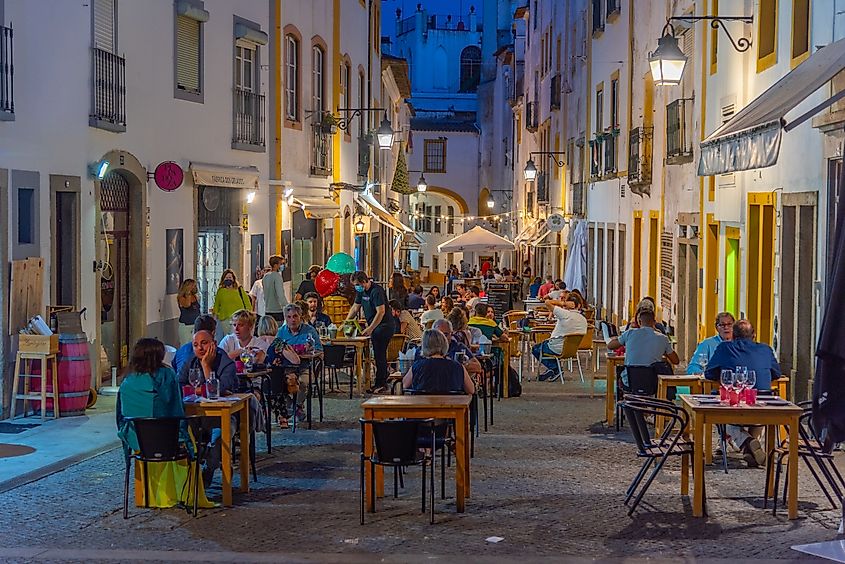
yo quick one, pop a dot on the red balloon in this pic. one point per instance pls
(326, 282)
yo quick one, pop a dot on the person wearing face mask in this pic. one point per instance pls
(372, 299)
(230, 297)
(274, 290)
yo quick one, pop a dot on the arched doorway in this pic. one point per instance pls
(121, 244)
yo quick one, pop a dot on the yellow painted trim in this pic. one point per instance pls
(732, 233)
(654, 214)
(769, 60)
(653, 255)
(462, 203)
(638, 214)
(714, 40)
(280, 112)
(336, 59)
(761, 198)
(795, 61)
(702, 329)
(711, 271)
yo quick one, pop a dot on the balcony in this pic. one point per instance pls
(614, 7)
(679, 132)
(108, 91)
(248, 121)
(531, 118)
(554, 98)
(406, 26)
(451, 23)
(321, 151)
(7, 75)
(639, 160)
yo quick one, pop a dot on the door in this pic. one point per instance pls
(795, 327)
(653, 253)
(621, 306)
(759, 290)
(303, 255)
(687, 308)
(732, 271)
(212, 258)
(601, 264)
(637, 260)
(609, 279)
(66, 249)
(711, 273)
(115, 275)
(256, 257)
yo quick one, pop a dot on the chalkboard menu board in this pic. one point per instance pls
(499, 296)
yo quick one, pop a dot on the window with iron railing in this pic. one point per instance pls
(321, 150)
(639, 158)
(678, 132)
(531, 118)
(610, 145)
(108, 91)
(613, 7)
(554, 98)
(248, 118)
(7, 74)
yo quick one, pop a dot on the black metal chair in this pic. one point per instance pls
(336, 357)
(670, 443)
(276, 394)
(812, 451)
(159, 441)
(395, 445)
(642, 381)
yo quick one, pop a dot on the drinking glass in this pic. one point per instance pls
(212, 386)
(194, 379)
(740, 378)
(727, 379)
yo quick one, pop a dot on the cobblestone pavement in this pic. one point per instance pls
(549, 477)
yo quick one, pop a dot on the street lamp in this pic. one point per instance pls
(384, 134)
(422, 185)
(359, 225)
(530, 171)
(491, 203)
(667, 62)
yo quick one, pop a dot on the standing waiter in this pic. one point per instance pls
(373, 299)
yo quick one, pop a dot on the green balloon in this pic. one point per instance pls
(341, 263)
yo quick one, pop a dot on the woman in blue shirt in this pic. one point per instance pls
(534, 288)
(434, 373)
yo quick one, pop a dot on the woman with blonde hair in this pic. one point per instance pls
(189, 309)
(230, 297)
(267, 329)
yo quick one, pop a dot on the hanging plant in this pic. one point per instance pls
(328, 124)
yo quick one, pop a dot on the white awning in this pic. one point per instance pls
(751, 138)
(206, 174)
(540, 238)
(381, 215)
(315, 207)
(527, 232)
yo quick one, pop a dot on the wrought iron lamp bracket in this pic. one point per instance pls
(741, 44)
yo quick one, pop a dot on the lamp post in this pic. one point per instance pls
(422, 185)
(530, 171)
(384, 133)
(668, 61)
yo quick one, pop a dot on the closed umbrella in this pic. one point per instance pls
(575, 276)
(476, 239)
(829, 383)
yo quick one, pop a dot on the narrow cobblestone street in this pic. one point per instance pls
(548, 478)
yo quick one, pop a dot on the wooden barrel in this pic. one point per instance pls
(74, 376)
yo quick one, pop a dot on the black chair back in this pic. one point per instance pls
(395, 441)
(334, 356)
(158, 437)
(642, 380)
(278, 381)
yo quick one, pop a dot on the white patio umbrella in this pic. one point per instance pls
(476, 239)
(575, 276)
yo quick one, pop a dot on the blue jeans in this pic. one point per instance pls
(543, 348)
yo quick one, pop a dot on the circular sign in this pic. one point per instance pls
(168, 176)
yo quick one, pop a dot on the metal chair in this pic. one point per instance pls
(670, 443)
(334, 359)
(159, 440)
(569, 352)
(642, 381)
(395, 445)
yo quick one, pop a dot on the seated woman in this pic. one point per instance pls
(446, 305)
(434, 291)
(534, 288)
(432, 313)
(434, 373)
(243, 338)
(151, 390)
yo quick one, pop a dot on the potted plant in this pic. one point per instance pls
(328, 124)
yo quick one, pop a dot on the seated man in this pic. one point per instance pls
(705, 349)
(644, 345)
(415, 298)
(432, 313)
(743, 350)
(315, 314)
(282, 354)
(243, 338)
(434, 372)
(405, 322)
(567, 322)
(185, 353)
(472, 296)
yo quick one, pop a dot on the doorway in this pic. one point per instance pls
(796, 318)
(686, 313)
(64, 199)
(116, 272)
(759, 290)
(732, 271)
(711, 270)
(218, 240)
(637, 260)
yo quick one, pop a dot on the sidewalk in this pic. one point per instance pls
(58, 443)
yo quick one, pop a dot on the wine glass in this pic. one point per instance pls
(194, 378)
(751, 379)
(740, 379)
(727, 379)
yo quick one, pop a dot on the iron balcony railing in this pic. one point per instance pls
(108, 96)
(614, 7)
(610, 145)
(406, 26)
(678, 133)
(248, 118)
(321, 152)
(596, 157)
(554, 99)
(531, 118)
(639, 156)
(7, 72)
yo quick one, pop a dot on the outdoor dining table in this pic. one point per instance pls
(455, 407)
(362, 348)
(597, 344)
(224, 408)
(695, 382)
(613, 360)
(706, 411)
(504, 346)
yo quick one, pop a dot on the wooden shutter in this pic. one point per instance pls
(104, 25)
(187, 54)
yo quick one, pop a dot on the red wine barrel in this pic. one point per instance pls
(74, 376)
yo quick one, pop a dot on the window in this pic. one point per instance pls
(434, 155)
(343, 98)
(104, 25)
(470, 68)
(190, 16)
(26, 216)
(767, 28)
(291, 78)
(800, 30)
(427, 224)
(438, 220)
(714, 39)
(450, 227)
(614, 103)
(361, 96)
(245, 67)
(435, 263)
(317, 79)
(600, 109)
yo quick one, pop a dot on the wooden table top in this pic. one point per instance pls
(339, 339)
(681, 377)
(254, 373)
(762, 406)
(456, 400)
(230, 403)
